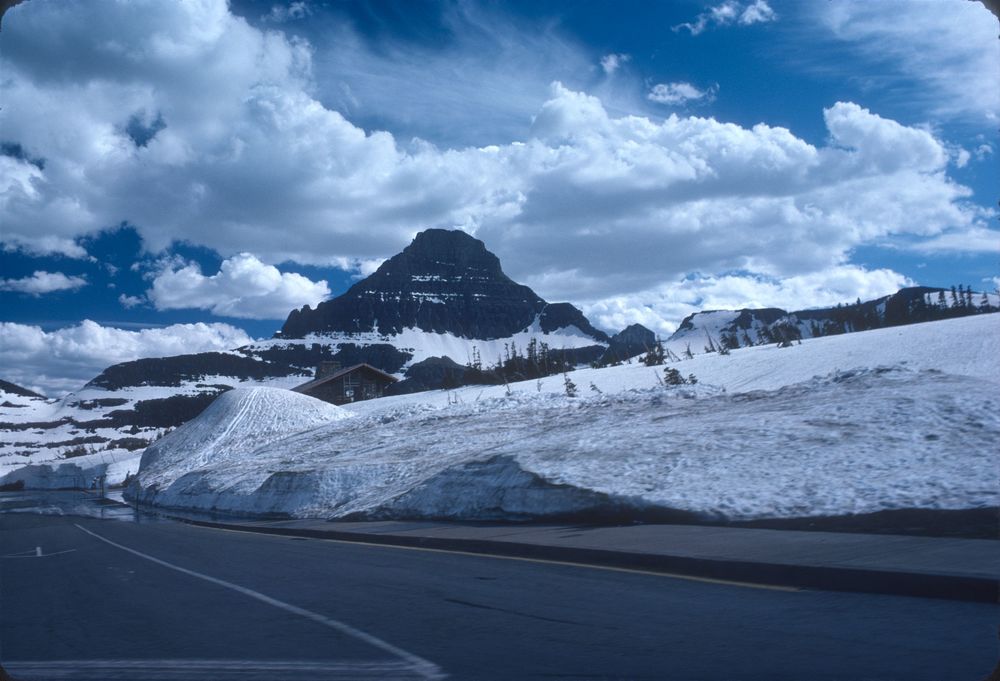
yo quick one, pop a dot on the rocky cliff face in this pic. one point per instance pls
(443, 282)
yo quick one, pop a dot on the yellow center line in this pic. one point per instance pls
(547, 561)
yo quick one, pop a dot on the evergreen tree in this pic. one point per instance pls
(984, 303)
(570, 386)
(672, 377)
(954, 297)
(968, 297)
(942, 303)
(655, 356)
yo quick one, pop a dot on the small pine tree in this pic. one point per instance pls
(942, 303)
(691, 379)
(687, 352)
(673, 377)
(570, 386)
(954, 297)
(595, 389)
(984, 303)
(655, 355)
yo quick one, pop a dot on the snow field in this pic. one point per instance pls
(237, 423)
(893, 418)
(77, 472)
(968, 346)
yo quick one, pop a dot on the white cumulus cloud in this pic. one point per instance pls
(56, 362)
(974, 240)
(588, 205)
(280, 14)
(128, 302)
(243, 287)
(728, 13)
(612, 62)
(42, 282)
(663, 307)
(679, 93)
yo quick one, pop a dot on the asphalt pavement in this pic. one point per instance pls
(86, 598)
(935, 567)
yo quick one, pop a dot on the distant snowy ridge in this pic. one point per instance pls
(708, 330)
(894, 418)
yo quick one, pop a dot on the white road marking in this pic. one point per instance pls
(182, 670)
(425, 668)
(37, 553)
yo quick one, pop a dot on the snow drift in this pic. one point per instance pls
(856, 440)
(235, 425)
(77, 473)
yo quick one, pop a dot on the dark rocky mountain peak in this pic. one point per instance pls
(446, 253)
(14, 389)
(635, 333)
(445, 281)
(633, 340)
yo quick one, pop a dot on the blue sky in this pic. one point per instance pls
(184, 174)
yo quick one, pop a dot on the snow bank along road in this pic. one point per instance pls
(90, 599)
(907, 417)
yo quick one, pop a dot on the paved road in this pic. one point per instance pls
(108, 599)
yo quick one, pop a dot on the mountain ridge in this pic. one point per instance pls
(445, 281)
(416, 317)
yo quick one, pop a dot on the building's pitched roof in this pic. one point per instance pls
(316, 382)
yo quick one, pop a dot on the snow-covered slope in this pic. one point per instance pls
(236, 424)
(901, 417)
(120, 421)
(709, 329)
